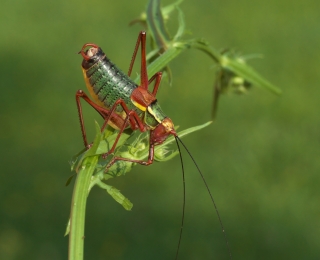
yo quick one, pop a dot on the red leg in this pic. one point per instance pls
(144, 76)
(156, 77)
(146, 163)
(131, 115)
(115, 119)
(143, 71)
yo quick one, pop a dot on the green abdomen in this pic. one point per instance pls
(110, 84)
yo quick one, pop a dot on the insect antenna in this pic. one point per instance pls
(184, 198)
(208, 189)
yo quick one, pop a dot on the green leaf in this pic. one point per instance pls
(116, 195)
(181, 27)
(164, 158)
(169, 8)
(191, 130)
(163, 60)
(171, 139)
(120, 168)
(67, 229)
(248, 73)
(156, 25)
(70, 179)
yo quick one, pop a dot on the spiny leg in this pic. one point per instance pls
(130, 114)
(144, 82)
(146, 163)
(135, 121)
(109, 115)
(143, 72)
(156, 77)
(116, 119)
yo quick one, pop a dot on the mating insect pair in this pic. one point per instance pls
(124, 104)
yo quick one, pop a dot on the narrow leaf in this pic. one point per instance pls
(181, 27)
(156, 25)
(248, 73)
(163, 60)
(171, 139)
(169, 8)
(118, 197)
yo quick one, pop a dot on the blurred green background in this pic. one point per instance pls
(260, 158)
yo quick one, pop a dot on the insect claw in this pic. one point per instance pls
(89, 146)
(105, 155)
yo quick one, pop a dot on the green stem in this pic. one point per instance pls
(203, 46)
(78, 208)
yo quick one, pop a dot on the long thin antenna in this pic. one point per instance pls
(184, 198)
(208, 189)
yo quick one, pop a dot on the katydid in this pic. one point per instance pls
(124, 104)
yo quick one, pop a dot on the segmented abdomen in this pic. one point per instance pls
(110, 84)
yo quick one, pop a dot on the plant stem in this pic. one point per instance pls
(78, 208)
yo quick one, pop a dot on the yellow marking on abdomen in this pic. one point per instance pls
(90, 89)
(96, 98)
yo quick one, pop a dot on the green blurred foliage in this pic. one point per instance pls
(260, 157)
